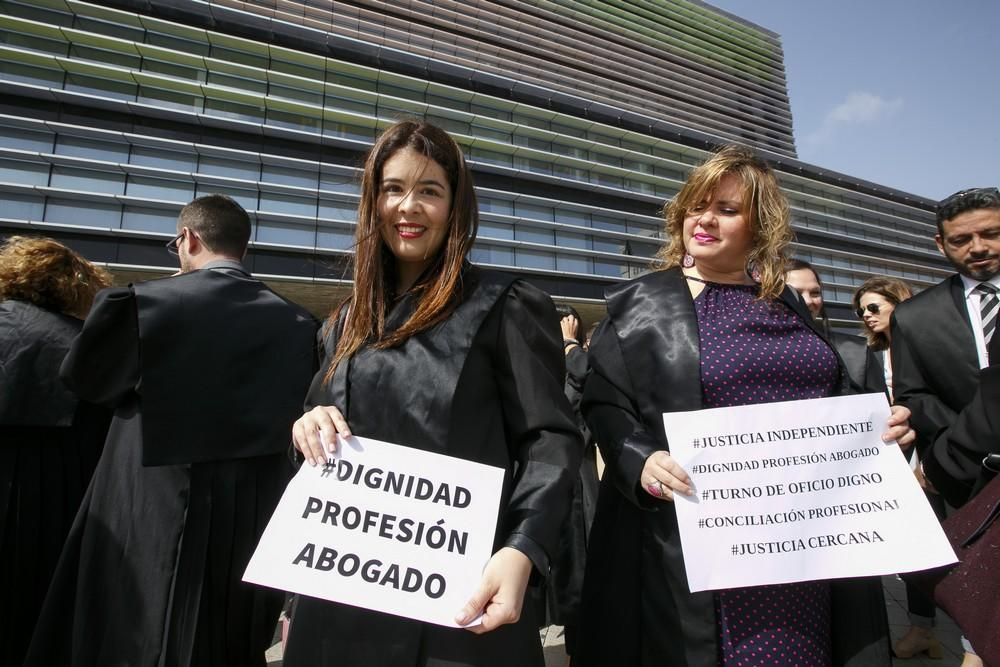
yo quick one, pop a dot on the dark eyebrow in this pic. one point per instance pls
(425, 181)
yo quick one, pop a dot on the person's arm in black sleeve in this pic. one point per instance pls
(540, 424)
(928, 414)
(613, 416)
(953, 464)
(102, 365)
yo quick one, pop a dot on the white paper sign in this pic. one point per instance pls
(384, 527)
(798, 491)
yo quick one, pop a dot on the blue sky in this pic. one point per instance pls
(903, 93)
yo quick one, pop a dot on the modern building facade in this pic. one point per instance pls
(580, 118)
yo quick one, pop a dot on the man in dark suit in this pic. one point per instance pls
(206, 371)
(940, 336)
(863, 367)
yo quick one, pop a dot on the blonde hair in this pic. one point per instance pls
(50, 275)
(766, 210)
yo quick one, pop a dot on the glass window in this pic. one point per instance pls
(150, 219)
(567, 240)
(571, 217)
(93, 85)
(337, 210)
(606, 180)
(21, 207)
(92, 149)
(240, 57)
(271, 173)
(335, 238)
(234, 110)
(84, 213)
(348, 131)
(237, 82)
(492, 157)
(270, 231)
(609, 245)
(160, 188)
(170, 99)
(574, 264)
(344, 183)
(288, 204)
(495, 230)
(490, 254)
(534, 212)
(23, 139)
(605, 268)
(294, 121)
(610, 224)
(489, 112)
(498, 206)
(164, 159)
(88, 180)
(535, 259)
(24, 172)
(30, 74)
(247, 169)
(534, 166)
(175, 70)
(531, 235)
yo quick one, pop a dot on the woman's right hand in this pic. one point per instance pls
(316, 427)
(662, 476)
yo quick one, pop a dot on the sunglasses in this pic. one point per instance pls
(871, 308)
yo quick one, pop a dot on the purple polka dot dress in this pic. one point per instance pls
(755, 351)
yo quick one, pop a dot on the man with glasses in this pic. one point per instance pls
(940, 337)
(206, 371)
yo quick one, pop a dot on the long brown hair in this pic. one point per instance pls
(438, 288)
(48, 274)
(894, 290)
(766, 206)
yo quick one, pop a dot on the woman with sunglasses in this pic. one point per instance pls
(874, 302)
(432, 353)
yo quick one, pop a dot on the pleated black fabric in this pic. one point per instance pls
(150, 574)
(49, 445)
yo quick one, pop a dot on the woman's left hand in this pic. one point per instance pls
(899, 427)
(500, 595)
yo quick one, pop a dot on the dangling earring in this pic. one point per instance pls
(687, 261)
(753, 271)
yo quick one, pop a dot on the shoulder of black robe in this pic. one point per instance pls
(224, 364)
(102, 365)
(33, 343)
(863, 368)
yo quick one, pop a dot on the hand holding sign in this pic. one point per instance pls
(500, 595)
(315, 433)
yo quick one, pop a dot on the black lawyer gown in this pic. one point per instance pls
(485, 385)
(49, 445)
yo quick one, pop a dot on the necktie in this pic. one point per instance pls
(989, 304)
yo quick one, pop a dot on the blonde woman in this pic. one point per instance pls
(715, 326)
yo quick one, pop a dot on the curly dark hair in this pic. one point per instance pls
(50, 275)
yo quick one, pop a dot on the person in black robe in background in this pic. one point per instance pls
(565, 584)
(435, 354)
(206, 371)
(49, 440)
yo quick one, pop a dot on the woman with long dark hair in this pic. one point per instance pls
(432, 353)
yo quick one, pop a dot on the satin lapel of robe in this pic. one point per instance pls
(658, 331)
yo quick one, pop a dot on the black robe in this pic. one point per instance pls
(637, 608)
(151, 573)
(485, 385)
(49, 444)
